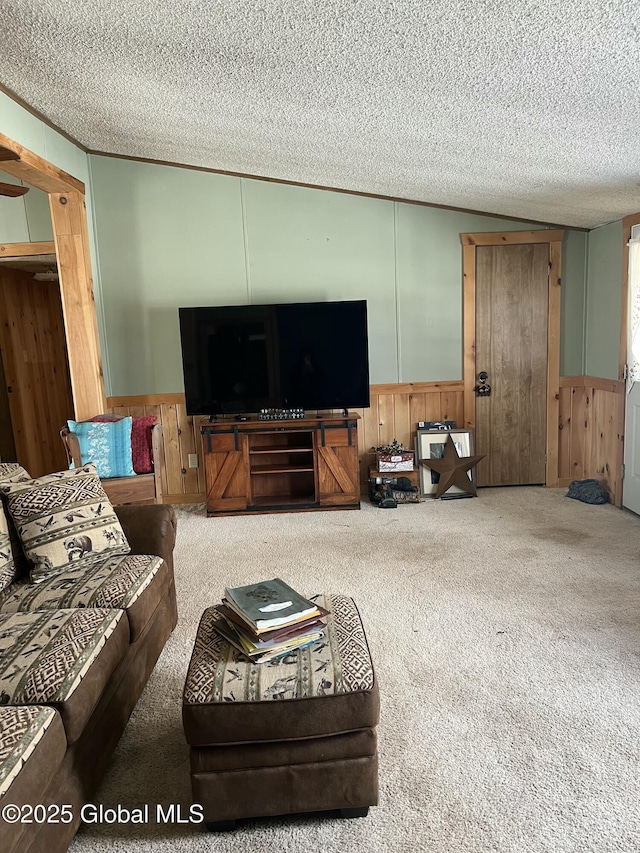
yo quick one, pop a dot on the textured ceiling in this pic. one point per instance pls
(529, 109)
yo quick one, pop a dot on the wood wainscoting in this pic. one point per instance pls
(395, 410)
(591, 425)
(180, 483)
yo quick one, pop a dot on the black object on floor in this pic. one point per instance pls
(588, 491)
(382, 496)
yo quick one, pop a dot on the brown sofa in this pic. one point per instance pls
(54, 747)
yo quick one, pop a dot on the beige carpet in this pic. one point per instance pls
(506, 636)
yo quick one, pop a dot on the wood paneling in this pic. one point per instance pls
(7, 444)
(590, 422)
(591, 427)
(393, 414)
(35, 362)
(180, 484)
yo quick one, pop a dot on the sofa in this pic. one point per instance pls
(78, 642)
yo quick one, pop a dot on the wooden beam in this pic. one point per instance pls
(511, 238)
(13, 190)
(36, 171)
(22, 250)
(69, 220)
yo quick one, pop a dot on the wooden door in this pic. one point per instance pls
(34, 354)
(226, 465)
(512, 304)
(338, 475)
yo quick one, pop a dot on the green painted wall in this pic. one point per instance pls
(604, 301)
(573, 302)
(13, 216)
(26, 219)
(169, 237)
(38, 215)
(166, 237)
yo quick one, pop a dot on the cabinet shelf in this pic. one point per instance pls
(257, 451)
(281, 469)
(283, 500)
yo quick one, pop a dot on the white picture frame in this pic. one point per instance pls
(430, 445)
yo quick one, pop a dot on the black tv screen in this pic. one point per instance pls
(243, 358)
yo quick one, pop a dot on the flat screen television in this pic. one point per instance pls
(239, 359)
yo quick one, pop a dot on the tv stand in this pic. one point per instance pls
(293, 465)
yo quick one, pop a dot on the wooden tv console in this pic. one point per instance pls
(259, 466)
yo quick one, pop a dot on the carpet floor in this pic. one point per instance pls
(505, 631)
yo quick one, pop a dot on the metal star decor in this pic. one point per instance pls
(453, 469)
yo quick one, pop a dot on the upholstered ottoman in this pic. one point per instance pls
(294, 735)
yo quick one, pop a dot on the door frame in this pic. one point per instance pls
(627, 224)
(504, 238)
(623, 353)
(71, 239)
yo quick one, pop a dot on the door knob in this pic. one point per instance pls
(483, 389)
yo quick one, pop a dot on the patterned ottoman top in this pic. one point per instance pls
(21, 730)
(325, 689)
(338, 663)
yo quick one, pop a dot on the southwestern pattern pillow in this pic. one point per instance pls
(13, 563)
(64, 520)
(107, 445)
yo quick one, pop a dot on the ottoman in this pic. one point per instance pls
(293, 735)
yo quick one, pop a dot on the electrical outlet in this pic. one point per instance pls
(193, 460)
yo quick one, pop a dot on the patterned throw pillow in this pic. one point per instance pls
(141, 449)
(107, 445)
(13, 563)
(64, 519)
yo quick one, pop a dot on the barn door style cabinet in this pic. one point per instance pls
(281, 466)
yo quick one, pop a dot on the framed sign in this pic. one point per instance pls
(430, 445)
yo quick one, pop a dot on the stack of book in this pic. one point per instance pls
(269, 619)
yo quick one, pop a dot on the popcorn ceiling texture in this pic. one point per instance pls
(527, 109)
